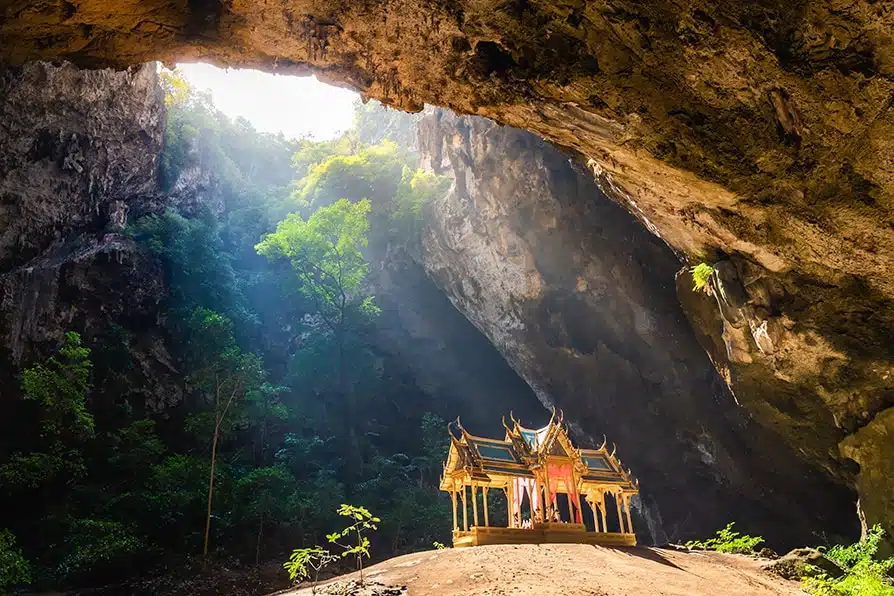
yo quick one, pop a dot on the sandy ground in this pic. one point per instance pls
(573, 570)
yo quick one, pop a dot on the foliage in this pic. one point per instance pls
(417, 188)
(14, 569)
(325, 252)
(60, 386)
(864, 575)
(438, 545)
(199, 136)
(701, 276)
(728, 541)
(307, 562)
(385, 174)
(372, 172)
(363, 521)
(176, 88)
(199, 270)
(266, 499)
(96, 547)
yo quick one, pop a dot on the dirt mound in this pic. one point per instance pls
(572, 570)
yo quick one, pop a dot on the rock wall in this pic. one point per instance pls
(451, 361)
(78, 153)
(581, 300)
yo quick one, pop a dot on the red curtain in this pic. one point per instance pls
(564, 472)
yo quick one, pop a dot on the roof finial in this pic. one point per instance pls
(553, 417)
(614, 449)
(604, 441)
(450, 427)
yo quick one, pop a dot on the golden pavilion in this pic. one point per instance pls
(533, 467)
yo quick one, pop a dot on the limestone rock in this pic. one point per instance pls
(794, 564)
(873, 448)
(78, 153)
(580, 299)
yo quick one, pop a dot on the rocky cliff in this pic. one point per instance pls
(78, 151)
(581, 300)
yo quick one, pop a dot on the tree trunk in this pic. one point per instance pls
(260, 534)
(211, 477)
(211, 486)
(355, 460)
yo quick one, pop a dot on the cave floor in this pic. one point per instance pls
(566, 570)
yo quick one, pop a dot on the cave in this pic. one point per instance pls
(598, 151)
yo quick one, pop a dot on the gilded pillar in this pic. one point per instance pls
(509, 505)
(589, 499)
(618, 498)
(475, 504)
(465, 511)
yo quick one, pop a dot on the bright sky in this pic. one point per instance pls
(295, 106)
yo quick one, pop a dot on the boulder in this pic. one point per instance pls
(803, 562)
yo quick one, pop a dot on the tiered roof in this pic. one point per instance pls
(525, 449)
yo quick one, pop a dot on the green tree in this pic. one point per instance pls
(325, 253)
(373, 172)
(267, 496)
(14, 569)
(59, 386)
(223, 374)
(364, 521)
(417, 188)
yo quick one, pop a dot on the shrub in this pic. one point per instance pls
(728, 541)
(305, 562)
(363, 520)
(14, 569)
(864, 576)
(96, 548)
(701, 276)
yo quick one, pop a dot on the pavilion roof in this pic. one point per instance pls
(525, 449)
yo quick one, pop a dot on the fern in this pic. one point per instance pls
(701, 276)
(728, 541)
(864, 576)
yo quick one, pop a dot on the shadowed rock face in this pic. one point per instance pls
(581, 301)
(78, 153)
(754, 133)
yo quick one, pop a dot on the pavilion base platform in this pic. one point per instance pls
(549, 533)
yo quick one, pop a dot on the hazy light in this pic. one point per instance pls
(295, 106)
